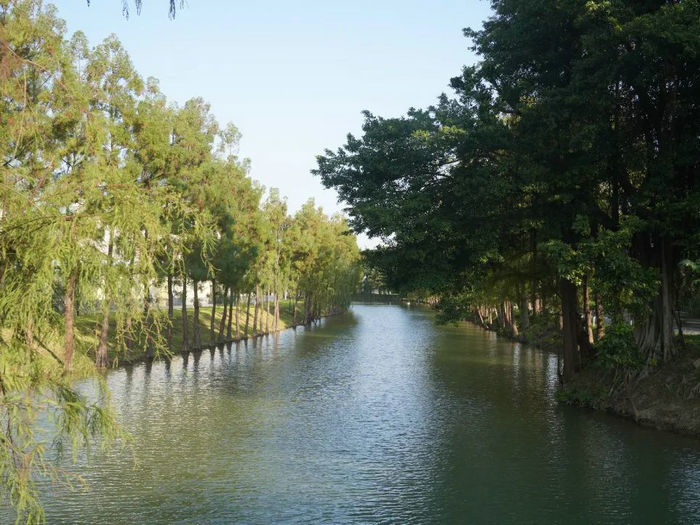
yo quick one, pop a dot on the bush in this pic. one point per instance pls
(617, 349)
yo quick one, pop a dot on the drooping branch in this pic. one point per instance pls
(172, 8)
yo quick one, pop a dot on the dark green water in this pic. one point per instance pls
(378, 416)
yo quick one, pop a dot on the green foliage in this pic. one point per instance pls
(617, 349)
(106, 191)
(563, 170)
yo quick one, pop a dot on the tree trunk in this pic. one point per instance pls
(234, 295)
(185, 335)
(195, 323)
(275, 326)
(247, 314)
(230, 317)
(654, 333)
(101, 354)
(523, 311)
(667, 301)
(294, 311)
(255, 311)
(569, 302)
(212, 338)
(599, 321)
(588, 316)
(267, 316)
(307, 306)
(511, 319)
(69, 314)
(171, 311)
(227, 311)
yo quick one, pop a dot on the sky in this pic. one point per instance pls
(294, 77)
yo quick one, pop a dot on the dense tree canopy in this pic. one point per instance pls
(561, 178)
(108, 194)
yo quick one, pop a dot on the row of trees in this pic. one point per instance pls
(561, 180)
(107, 193)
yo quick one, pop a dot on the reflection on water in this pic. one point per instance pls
(375, 416)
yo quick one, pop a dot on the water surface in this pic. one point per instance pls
(376, 416)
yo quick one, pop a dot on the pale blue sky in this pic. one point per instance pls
(292, 76)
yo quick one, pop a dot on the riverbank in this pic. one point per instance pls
(666, 397)
(88, 327)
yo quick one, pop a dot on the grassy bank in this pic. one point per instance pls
(88, 329)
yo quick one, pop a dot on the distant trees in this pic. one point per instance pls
(108, 193)
(560, 182)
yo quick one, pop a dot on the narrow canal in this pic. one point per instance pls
(376, 416)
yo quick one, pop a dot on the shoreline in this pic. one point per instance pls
(144, 358)
(665, 398)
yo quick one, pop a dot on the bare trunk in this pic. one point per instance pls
(588, 316)
(569, 303)
(247, 314)
(275, 327)
(511, 320)
(307, 305)
(69, 318)
(227, 311)
(235, 298)
(480, 317)
(523, 312)
(654, 333)
(196, 328)
(666, 299)
(255, 311)
(185, 335)
(230, 317)
(267, 316)
(101, 355)
(599, 321)
(212, 338)
(294, 311)
(171, 311)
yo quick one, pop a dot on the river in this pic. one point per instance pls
(375, 416)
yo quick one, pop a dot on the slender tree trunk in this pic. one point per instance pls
(587, 311)
(569, 301)
(599, 321)
(230, 317)
(267, 316)
(307, 306)
(275, 327)
(227, 311)
(255, 311)
(128, 340)
(185, 335)
(247, 314)
(523, 311)
(171, 311)
(101, 354)
(146, 319)
(666, 299)
(236, 300)
(69, 313)
(294, 310)
(212, 338)
(195, 323)
(513, 324)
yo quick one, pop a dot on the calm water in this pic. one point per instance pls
(378, 416)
